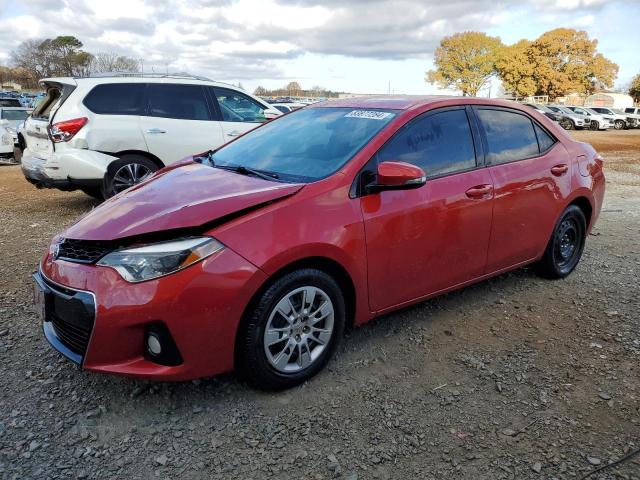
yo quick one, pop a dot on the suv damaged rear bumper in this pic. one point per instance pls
(53, 170)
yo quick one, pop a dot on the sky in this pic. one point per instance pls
(358, 46)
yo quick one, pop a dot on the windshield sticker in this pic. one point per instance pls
(370, 114)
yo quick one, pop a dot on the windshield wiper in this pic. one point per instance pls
(241, 169)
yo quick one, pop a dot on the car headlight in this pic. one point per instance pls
(158, 259)
(11, 130)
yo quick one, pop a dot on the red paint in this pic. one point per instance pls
(397, 246)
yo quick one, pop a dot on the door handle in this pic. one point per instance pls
(559, 170)
(156, 130)
(479, 191)
(235, 133)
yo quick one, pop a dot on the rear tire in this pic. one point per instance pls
(565, 246)
(291, 331)
(126, 172)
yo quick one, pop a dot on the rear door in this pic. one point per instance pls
(432, 238)
(35, 129)
(531, 174)
(238, 113)
(179, 121)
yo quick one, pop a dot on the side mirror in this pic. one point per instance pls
(398, 176)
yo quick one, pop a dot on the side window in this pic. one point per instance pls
(183, 102)
(236, 107)
(510, 135)
(545, 141)
(116, 99)
(437, 142)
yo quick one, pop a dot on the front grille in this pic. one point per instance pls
(83, 251)
(73, 336)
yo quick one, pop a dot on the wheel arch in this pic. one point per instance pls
(585, 205)
(327, 265)
(142, 153)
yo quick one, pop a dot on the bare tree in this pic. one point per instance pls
(112, 62)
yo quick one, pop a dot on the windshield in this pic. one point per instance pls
(14, 114)
(306, 145)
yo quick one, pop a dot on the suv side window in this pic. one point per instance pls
(183, 102)
(437, 142)
(236, 107)
(116, 99)
(510, 135)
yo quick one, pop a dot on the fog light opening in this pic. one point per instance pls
(154, 347)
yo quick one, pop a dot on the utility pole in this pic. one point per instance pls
(389, 88)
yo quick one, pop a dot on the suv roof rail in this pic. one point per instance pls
(177, 75)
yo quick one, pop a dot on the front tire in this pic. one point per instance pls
(565, 246)
(619, 125)
(594, 125)
(567, 124)
(292, 330)
(126, 172)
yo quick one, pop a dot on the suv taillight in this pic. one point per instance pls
(64, 131)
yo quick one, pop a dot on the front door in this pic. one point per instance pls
(422, 241)
(238, 113)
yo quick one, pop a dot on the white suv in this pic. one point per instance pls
(105, 134)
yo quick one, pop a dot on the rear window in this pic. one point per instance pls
(14, 114)
(9, 102)
(116, 99)
(545, 141)
(510, 135)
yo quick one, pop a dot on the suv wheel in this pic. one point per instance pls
(619, 124)
(594, 125)
(126, 172)
(292, 330)
(565, 246)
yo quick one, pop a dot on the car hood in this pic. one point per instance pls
(188, 196)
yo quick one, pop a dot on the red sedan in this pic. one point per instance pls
(257, 255)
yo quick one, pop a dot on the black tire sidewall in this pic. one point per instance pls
(107, 186)
(254, 364)
(548, 267)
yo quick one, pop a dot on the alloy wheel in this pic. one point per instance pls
(299, 329)
(128, 175)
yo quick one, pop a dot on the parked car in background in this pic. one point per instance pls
(6, 140)
(105, 134)
(287, 107)
(564, 121)
(598, 122)
(15, 116)
(633, 116)
(256, 256)
(620, 121)
(572, 119)
(10, 101)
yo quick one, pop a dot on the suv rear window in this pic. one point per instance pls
(116, 99)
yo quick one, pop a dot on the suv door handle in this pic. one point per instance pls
(235, 133)
(479, 191)
(156, 130)
(559, 170)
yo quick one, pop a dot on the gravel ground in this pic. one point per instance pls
(513, 378)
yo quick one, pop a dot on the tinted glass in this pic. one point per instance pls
(510, 136)
(116, 99)
(438, 143)
(183, 102)
(14, 114)
(545, 141)
(629, 110)
(236, 107)
(9, 102)
(307, 144)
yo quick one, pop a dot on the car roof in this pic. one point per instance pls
(409, 102)
(138, 78)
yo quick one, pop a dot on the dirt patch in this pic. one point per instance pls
(513, 378)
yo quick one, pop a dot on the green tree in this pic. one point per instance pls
(634, 88)
(465, 61)
(60, 56)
